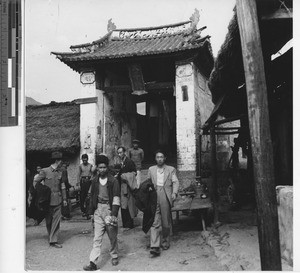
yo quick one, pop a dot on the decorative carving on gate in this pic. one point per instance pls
(87, 143)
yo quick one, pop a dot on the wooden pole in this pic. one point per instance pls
(261, 144)
(214, 170)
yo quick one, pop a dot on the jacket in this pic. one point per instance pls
(114, 191)
(127, 167)
(40, 202)
(128, 184)
(53, 179)
(171, 183)
(146, 201)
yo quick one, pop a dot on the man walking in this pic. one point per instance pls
(128, 208)
(166, 184)
(66, 212)
(84, 180)
(104, 205)
(52, 177)
(136, 154)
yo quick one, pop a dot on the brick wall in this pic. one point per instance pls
(204, 107)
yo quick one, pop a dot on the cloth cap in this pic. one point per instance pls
(56, 155)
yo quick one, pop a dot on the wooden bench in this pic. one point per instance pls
(191, 203)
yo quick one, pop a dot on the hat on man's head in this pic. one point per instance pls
(56, 155)
(101, 159)
(136, 141)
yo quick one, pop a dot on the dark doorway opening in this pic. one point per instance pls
(156, 125)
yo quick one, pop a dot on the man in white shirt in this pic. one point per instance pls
(166, 184)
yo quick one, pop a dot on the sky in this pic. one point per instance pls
(55, 25)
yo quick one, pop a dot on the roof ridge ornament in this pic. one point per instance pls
(111, 26)
(195, 17)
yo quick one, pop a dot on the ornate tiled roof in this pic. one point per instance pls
(124, 43)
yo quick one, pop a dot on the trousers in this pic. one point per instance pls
(126, 218)
(53, 222)
(161, 228)
(138, 178)
(101, 212)
(85, 184)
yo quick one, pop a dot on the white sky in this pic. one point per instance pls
(54, 25)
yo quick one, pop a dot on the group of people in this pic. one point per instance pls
(109, 187)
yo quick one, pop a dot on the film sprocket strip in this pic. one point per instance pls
(10, 56)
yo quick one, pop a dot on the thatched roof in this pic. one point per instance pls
(226, 81)
(54, 126)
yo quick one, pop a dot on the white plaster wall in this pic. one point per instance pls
(90, 117)
(185, 119)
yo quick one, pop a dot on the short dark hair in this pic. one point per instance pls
(121, 147)
(161, 151)
(102, 159)
(85, 156)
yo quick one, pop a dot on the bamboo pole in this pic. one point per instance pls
(262, 153)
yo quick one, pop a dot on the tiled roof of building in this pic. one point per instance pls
(124, 43)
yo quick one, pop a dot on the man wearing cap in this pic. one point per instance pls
(104, 206)
(136, 154)
(52, 177)
(84, 180)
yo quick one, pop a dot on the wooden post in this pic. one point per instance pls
(262, 153)
(198, 173)
(214, 170)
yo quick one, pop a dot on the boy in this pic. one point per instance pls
(104, 206)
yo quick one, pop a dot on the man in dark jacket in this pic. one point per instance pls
(104, 206)
(126, 166)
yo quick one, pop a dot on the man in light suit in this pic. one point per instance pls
(166, 184)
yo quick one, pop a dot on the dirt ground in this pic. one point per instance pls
(188, 249)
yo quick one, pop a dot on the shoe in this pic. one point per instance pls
(84, 214)
(114, 261)
(88, 217)
(90, 267)
(154, 252)
(165, 247)
(126, 229)
(56, 245)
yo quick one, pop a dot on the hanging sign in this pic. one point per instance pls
(87, 77)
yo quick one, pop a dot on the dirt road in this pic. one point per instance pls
(188, 250)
